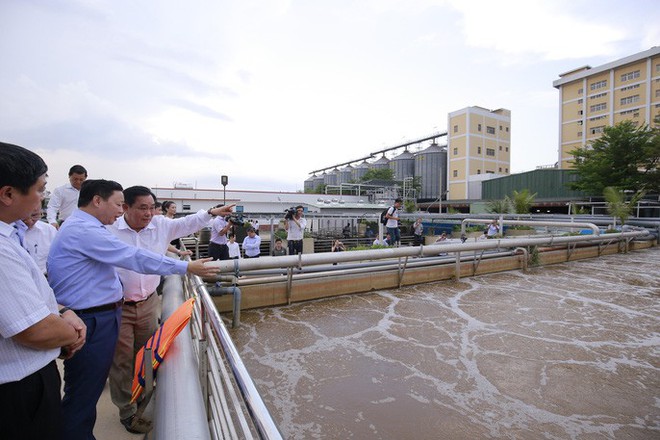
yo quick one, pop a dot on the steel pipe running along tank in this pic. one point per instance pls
(412, 251)
(503, 222)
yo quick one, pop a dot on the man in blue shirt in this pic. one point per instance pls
(81, 271)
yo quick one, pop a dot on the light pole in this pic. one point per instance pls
(224, 180)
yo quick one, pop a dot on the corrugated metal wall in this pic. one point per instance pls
(548, 183)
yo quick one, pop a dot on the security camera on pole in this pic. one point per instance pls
(224, 180)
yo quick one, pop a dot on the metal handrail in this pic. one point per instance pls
(226, 371)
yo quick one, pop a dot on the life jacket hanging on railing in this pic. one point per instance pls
(159, 342)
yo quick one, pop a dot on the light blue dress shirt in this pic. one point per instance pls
(82, 260)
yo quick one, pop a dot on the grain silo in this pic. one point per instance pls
(381, 164)
(318, 181)
(345, 175)
(310, 185)
(360, 170)
(431, 167)
(331, 177)
(403, 165)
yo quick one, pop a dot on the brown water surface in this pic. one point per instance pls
(564, 351)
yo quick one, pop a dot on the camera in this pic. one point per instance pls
(289, 213)
(235, 220)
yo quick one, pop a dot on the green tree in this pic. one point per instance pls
(625, 156)
(522, 201)
(379, 174)
(499, 206)
(617, 206)
(409, 206)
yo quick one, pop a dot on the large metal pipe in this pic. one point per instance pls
(179, 409)
(503, 222)
(377, 254)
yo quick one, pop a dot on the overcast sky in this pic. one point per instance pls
(154, 92)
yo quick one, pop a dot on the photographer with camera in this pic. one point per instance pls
(295, 224)
(220, 226)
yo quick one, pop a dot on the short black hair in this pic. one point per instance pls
(230, 235)
(77, 169)
(300, 207)
(397, 200)
(20, 167)
(97, 187)
(278, 239)
(132, 193)
(157, 204)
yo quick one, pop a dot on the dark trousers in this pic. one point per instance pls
(218, 251)
(86, 372)
(295, 247)
(31, 407)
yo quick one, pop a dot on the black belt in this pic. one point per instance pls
(132, 303)
(294, 241)
(103, 308)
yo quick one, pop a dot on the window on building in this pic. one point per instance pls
(597, 130)
(598, 107)
(580, 91)
(490, 172)
(455, 128)
(478, 150)
(500, 148)
(630, 76)
(657, 67)
(634, 86)
(500, 128)
(599, 95)
(579, 122)
(630, 112)
(580, 101)
(598, 85)
(629, 99)
(490, 130)
(478, 127)
(506, 170)
(597, 118)
(478, 171)
(657, 93)
(506, 149)
(239, 208)
(579, 134)
(507, 129)
(490, 152)
(455, 173)
(500, 170)
(580, 112)
(186, 207)
(455, 151)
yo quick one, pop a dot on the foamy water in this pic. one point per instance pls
(564, 351)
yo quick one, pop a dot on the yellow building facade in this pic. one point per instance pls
(592, 98)
(478, 147)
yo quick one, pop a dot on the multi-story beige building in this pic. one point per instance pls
(592, 98)
(478, 147)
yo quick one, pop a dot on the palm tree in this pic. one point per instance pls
(616, 203)
(499, 206)
(522, 201)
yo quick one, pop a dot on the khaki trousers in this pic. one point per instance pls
(138, 323)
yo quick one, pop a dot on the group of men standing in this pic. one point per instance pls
(96, 308)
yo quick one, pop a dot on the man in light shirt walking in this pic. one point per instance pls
(64, 199)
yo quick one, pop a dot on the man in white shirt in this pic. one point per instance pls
(295, 228)
(38, 238)
(32, 332)
(251, 244)
(392, 224)
(141, 228)
(64, 199)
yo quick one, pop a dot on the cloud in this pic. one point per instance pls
(535, 27)
(200, 109)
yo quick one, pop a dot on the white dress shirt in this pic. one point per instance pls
(155, 237)
(64, 200)
(26, 299)
(234, 250)
(37, 242)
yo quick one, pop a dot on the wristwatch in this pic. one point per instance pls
(209, 211)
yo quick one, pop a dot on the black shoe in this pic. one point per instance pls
(136, 425)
